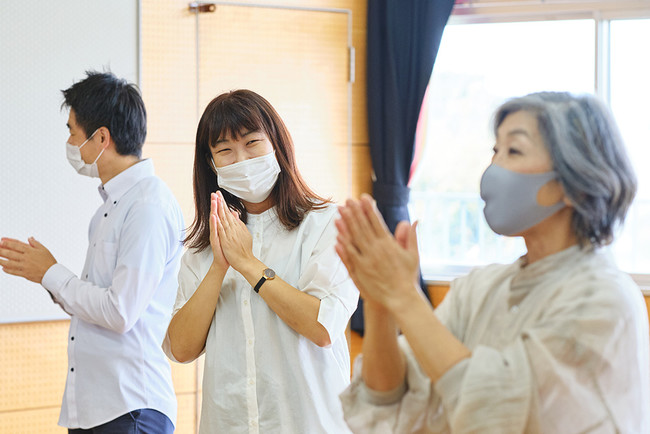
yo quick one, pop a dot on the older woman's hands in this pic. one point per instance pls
(235, 239)
(384, 268)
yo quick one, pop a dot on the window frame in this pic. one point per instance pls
(505, 11)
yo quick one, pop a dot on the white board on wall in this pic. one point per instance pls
(46, 47)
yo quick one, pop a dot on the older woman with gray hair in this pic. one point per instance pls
(557, 341)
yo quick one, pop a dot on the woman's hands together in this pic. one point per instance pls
(232, 244)
(384, 268)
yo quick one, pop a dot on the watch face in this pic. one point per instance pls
(269, 274)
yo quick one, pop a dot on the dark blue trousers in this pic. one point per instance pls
(144, 421)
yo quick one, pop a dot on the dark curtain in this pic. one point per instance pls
(403, 41)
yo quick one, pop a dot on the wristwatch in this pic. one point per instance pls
(267, 274)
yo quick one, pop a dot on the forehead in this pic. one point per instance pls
(519, 122)
(72, 119)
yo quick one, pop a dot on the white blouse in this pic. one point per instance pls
(260, 375)
(558, 346)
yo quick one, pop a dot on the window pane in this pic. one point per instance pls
(478, 67)
(630, 93)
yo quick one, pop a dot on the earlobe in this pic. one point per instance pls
(550, 193)
(567, 201)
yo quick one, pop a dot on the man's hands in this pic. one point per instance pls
(30, 261)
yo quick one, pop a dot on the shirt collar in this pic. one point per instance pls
(555, 264)
(123, 181)
(267, 216)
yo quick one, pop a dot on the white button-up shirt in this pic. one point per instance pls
(260, 375)
(122, 303)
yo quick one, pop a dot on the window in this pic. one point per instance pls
(477, 68)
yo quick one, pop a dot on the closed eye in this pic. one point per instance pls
(252, 142)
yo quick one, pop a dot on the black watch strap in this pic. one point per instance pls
(267, 274)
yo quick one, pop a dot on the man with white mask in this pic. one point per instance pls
(118, 377)
(261, 290)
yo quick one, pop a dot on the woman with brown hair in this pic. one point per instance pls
(261, 290)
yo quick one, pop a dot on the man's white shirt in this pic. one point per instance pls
(122, 302)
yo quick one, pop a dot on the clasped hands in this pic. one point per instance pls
(29, 260)
(385, 268)
(231, 242)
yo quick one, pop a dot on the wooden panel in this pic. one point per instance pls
(169, 70)
(40, 421)
(186, 422)
(361, 171)
(298, 60)
(184, 377)
(34, 364)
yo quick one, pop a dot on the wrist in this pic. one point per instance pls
(252, 270)
(403, 300)
(218, 270)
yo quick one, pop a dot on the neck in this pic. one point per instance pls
(116, 165)
(552, 235)
(258, 208)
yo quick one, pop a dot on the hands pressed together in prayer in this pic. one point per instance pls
(231, 242)
(384, 267)
(29, 260)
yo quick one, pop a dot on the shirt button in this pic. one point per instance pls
(71, 369)
(72, 338)
(251, 382)
(250, 342)
(105, 214)
(245, 302)
(86, 276)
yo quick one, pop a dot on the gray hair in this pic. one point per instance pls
(588, 156)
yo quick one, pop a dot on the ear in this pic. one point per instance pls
(551, 193)
(105, 137)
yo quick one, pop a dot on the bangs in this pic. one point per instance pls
(232, 118)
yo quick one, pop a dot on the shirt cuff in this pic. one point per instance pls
(448, 386)
(387, 397)
(55, 279)
(333, 316)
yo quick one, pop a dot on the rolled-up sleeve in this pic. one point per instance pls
(324, 276)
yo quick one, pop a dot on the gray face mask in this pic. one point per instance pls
(511, 199)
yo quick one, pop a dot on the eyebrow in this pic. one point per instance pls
(241, 135)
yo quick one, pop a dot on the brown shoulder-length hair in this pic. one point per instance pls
(232, 113)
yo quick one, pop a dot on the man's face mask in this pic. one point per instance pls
(74, 158)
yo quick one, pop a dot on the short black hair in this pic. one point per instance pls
(103, 100)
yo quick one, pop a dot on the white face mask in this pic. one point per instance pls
(74, 158)
(250, 180)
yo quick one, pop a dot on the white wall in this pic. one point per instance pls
(45, 47)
